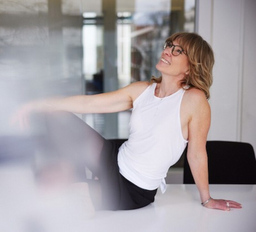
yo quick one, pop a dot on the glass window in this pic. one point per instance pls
(141, 26)
(41, 52)
(68, 47)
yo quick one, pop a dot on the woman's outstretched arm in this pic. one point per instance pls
(115, 101)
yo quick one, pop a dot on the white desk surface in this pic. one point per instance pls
(178, 210)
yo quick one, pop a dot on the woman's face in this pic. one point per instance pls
(174, 61)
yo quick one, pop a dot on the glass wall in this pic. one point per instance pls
(68, 47)
(128, 49)
(40, 52)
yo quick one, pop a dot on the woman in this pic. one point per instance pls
(168, 113)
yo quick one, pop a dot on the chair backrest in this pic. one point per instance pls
(228, 163)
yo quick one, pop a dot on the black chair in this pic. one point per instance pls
(228, 163)
(119, 142)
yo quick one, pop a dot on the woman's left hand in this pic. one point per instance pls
(221, 204)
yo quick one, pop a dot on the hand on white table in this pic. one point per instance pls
(222, 204)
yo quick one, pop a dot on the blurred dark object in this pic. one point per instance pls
(96, 85)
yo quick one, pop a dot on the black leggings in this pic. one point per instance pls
(68, 137)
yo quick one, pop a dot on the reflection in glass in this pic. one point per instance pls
(141, 27)
(56, 47)
(40, 52)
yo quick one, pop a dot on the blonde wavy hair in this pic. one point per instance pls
(201, 61)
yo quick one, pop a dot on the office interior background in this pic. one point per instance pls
(67, 47)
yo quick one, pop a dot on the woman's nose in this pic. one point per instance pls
(167, 51)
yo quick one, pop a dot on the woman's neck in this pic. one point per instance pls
(165, 88)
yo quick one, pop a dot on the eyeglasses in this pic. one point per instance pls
(176, 49)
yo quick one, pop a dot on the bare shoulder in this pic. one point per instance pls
(136, 88)
(195, 98)
(195, 104)
(139, 85)
(195, 114)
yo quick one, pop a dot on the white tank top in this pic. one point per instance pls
(155, 142)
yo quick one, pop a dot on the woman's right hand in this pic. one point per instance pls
(21, 117)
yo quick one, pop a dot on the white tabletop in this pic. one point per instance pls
(177, 210)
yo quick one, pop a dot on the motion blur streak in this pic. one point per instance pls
(40, 56)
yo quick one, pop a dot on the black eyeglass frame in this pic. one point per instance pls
(169, 44)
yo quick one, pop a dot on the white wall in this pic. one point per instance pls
(229, 26)
(248, 131)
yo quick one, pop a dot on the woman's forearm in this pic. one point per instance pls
(199, 169)
(75, 104)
